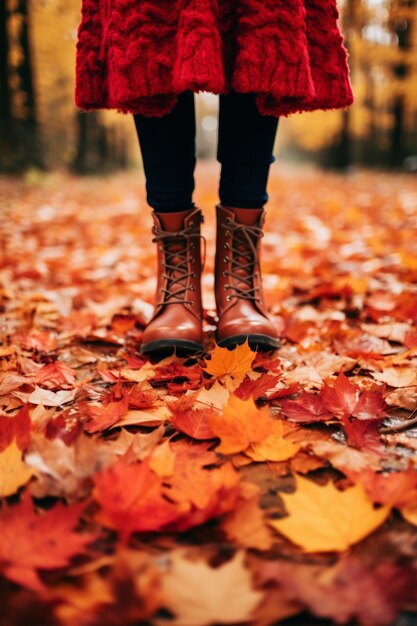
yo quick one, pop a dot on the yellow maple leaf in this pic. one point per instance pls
(14, 472)
(324, 519)
(276, 447)
(241, 425)
(236, 363)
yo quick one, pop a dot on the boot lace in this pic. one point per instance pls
(244, 257)
(176, 248)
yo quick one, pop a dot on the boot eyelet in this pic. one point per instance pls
(228, 298)
(226, 287)
(194, 274)
(192, 288)
(191, 223)
(225, 274)
(228, 221)
(226, 259)
(192, 303)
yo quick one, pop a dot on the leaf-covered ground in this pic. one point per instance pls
(234, 488)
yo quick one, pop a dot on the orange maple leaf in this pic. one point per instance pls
(105, 415)
(131, 498)
(241, 425)
(235, 363)
(277, 446)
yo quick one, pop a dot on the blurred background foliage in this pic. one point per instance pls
(42, 128)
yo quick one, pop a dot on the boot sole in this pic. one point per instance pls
(166, 347)
(256, 342)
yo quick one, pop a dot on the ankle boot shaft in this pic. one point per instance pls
(179, 261)
(238, 280)
(238, 257)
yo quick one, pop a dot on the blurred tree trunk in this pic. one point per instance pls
(99, 148)
(5, 95)
(402, 28)
(19, 134)
(25, 70)
(6, 118)
(31, 140)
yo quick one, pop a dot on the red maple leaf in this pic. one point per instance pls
(290, 390)
(371, 405)
(349, 591)
(307, 408)
(363, 434)
(193, 423)
(256, 388)
(341, 398)
(66, 425)
(104, 416)
(395, 488)
(167, 373)
(31, 541)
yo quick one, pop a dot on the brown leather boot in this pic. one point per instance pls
(176, 323)
(238, 280)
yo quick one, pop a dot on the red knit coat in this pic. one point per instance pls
(137, 55)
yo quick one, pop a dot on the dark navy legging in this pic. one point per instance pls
(244, 149)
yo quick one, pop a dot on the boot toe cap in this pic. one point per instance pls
(254, 324)
(173, 325)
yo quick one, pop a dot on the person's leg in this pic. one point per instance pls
(168, 150)
(245, 150)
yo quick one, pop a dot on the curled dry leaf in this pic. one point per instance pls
(48, 398)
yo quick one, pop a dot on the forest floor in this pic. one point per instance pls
(235, 488)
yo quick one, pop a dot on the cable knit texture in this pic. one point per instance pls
(136, 56)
